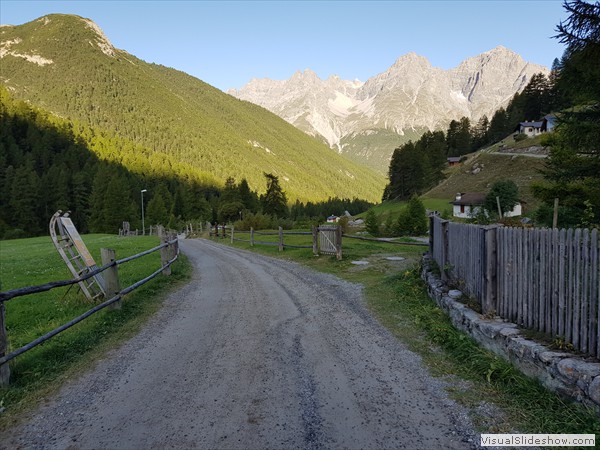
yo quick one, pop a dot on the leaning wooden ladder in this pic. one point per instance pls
(73, 251)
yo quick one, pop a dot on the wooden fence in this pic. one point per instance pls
(326, 239)
(546, 280)
(169, 252)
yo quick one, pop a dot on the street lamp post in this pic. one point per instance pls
(143, 227)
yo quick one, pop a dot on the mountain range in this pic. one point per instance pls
(367, 120)
(167, 122)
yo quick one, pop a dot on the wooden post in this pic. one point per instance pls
(251, 237)
(555, 216)
(4, 368)
(498, 204)
(431, 234)
(489, 303)
(172, 236)
(338, 242)
(164, 256)
(280, 239)
(315, 236)
(216, 229)
(444, 238)
(111, 276)
(232, 230)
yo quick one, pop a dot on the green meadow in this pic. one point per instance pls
(34, 261)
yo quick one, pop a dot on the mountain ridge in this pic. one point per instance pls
(85, 78)
(411, 96)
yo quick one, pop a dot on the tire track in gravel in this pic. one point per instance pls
(254, 353)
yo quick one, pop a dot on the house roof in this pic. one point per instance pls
(532, 124)
(453, 158)
(470, 198)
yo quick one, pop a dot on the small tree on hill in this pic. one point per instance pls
(413, 219)
(507, 193)
(372, 223)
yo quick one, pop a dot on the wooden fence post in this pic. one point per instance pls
(489, 303)
(338, 242)
(164, 255)
(431, 234)
(111, 276)
(315, 236)
(444, 238)
(174, 247)
(4, 368)
(232, 230)
(280, 239)
(251, 237)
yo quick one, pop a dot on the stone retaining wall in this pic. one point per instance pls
(573, 376)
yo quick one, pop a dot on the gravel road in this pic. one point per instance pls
(253, 353)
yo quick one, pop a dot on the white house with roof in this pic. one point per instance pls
(534, 128)
(469, 204)
(531, 129)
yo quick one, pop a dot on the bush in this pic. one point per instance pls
(257, 221)
(343, 222)
(520, 137)
(372, 223)
(413, 219)
(14, 233)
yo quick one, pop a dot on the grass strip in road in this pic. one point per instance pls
(40, 371)
(500, 397)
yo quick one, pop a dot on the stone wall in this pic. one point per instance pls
(573, 376)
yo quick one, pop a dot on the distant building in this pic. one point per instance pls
(544, 125)
(453, 161)
(333, 219)
(550, 122)
(469, 204)
(531, 129)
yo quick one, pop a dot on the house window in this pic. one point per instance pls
(530, 130)
(462, 209)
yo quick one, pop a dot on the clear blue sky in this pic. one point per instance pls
(227, 43)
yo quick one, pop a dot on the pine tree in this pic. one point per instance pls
(274, 201)
(24, 200)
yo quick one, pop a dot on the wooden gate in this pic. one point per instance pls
(330, 240)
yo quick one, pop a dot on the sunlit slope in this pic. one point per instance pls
(65, 64)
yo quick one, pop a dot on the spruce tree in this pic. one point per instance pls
(274, 201)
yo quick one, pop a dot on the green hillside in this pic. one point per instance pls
(63, 64)
(522, 169)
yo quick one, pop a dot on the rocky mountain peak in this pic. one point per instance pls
(410, 95)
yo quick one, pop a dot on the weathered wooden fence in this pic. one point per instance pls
(331, 244)
(169, 252)
(546, 280)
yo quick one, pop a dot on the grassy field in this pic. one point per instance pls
(502, 400)
(28, 262)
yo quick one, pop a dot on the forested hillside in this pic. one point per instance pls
(48, 163)
(170, 120)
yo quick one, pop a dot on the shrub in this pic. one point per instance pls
(412, 220)
(372, 223)
(257, 221)
(520, 137)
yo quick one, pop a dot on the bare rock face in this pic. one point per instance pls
(411, 95)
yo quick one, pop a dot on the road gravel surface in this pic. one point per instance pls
(253, 353)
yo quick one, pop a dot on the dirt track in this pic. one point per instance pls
(254, 353)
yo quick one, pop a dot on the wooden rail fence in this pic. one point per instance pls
(169, 252)
(546, 280)
(325, 239)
